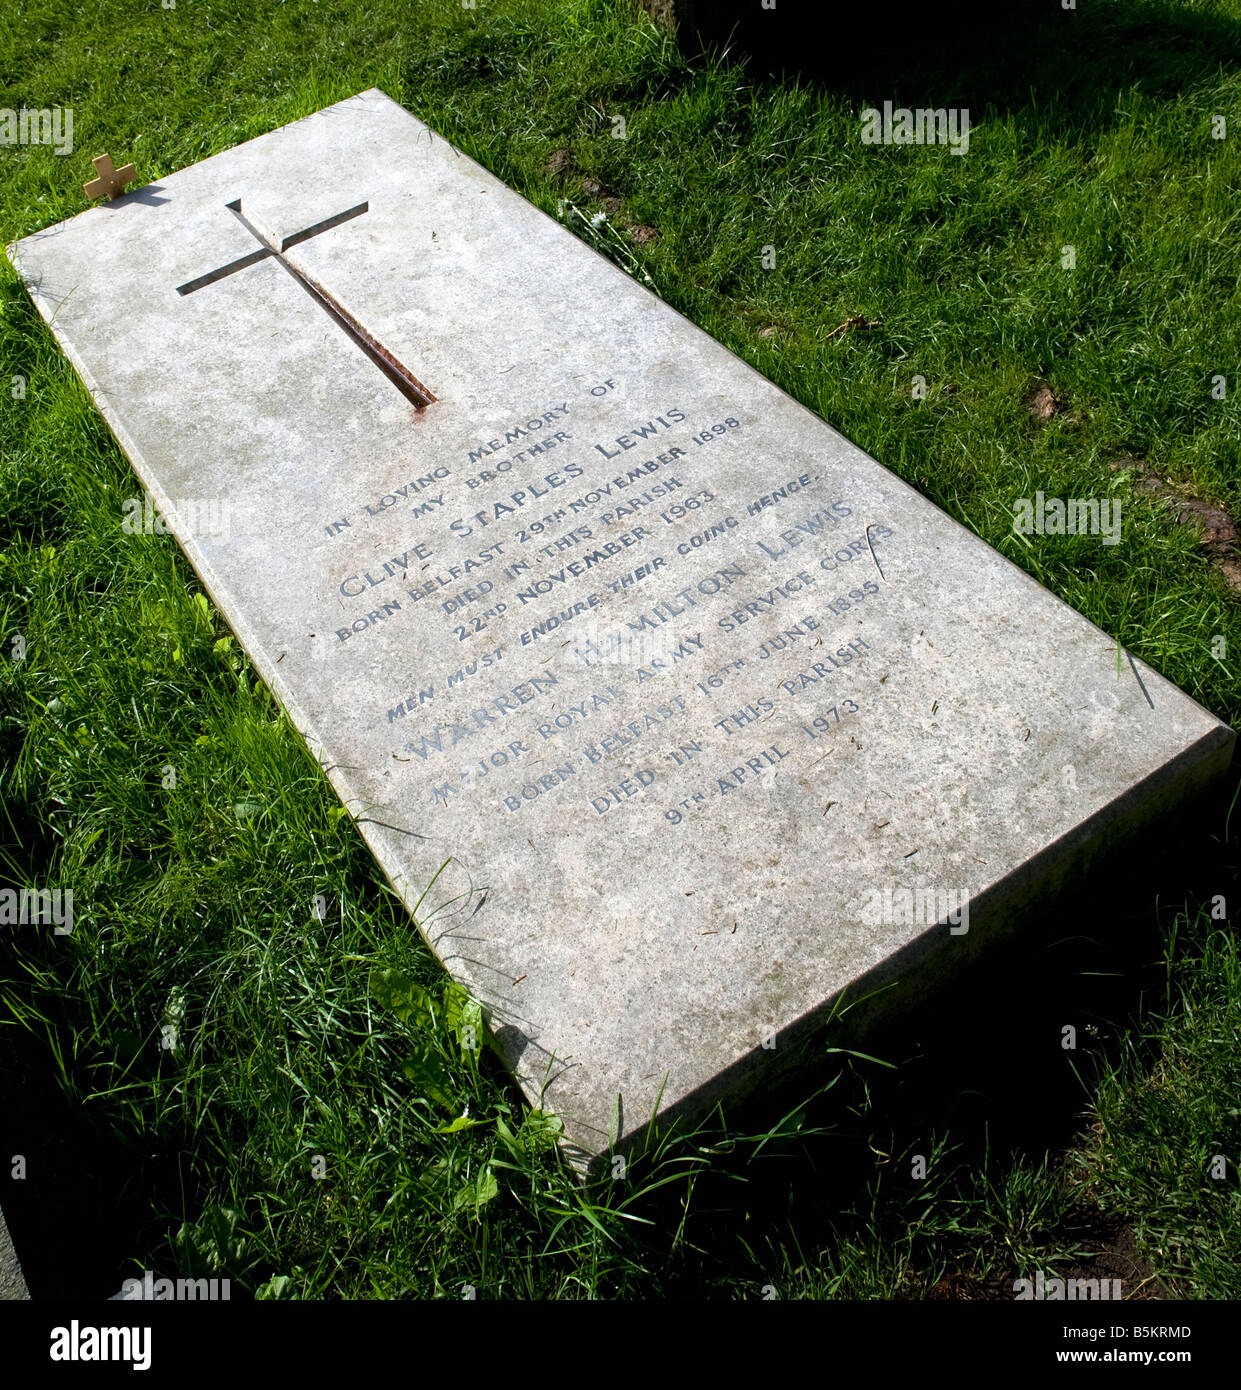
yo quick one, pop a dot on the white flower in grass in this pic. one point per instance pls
(174, 1015)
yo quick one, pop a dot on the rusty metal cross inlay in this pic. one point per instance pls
(399, 375)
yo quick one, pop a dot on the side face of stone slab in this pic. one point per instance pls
(680, 703)
(12, 1282)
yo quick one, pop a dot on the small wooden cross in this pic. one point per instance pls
(111, 181)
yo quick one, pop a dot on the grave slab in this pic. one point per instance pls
(674, 717)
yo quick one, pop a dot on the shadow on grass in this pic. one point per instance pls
(90, 1199)
(1063, 68)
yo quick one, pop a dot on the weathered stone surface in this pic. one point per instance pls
(677, 696)
(12, 1283)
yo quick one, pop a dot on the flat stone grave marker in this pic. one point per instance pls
(671, 714)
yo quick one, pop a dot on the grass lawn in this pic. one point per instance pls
(300, 1138)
